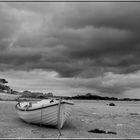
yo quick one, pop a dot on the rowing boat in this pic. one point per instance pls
(47, 112)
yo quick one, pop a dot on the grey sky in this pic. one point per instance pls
(83, 46)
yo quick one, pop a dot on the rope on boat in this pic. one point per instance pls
(58, 118)
(41, 115)
(58, 136)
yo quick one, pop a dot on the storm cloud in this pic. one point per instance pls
(76, 40)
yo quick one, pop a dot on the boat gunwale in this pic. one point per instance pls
(40, 107)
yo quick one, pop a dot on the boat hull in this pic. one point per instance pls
(49, 114)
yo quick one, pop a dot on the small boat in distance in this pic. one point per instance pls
(47, 112)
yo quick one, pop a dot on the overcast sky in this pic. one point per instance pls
(71, 48)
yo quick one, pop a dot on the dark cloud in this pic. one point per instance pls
(8, 27)
(76, 40)
(21, 61)
(110, 15)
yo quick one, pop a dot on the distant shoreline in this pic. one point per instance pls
(27, 99)
(88, 96)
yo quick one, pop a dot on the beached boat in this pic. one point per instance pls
(47, 112)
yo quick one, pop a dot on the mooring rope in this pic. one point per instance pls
(41, 116)
(58, 118)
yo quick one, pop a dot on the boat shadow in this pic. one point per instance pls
(24, 123)
(68, 125)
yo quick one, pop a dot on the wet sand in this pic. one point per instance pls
(124, 119)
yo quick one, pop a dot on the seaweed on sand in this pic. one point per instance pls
(102, 131)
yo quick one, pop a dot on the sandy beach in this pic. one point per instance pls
(123, 119)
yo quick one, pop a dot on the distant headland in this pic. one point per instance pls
(39, 95)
